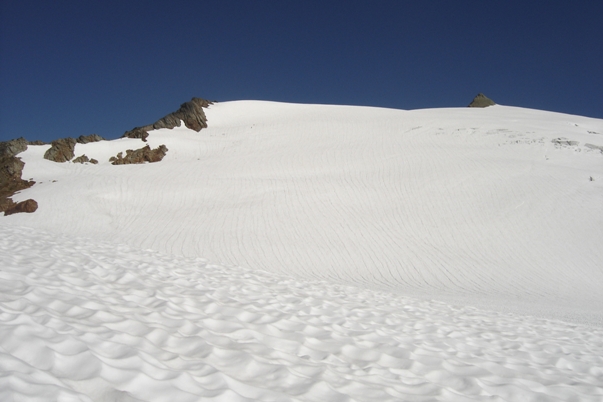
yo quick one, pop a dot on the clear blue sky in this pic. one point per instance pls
(69, 68)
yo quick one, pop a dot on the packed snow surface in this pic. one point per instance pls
(352, 253)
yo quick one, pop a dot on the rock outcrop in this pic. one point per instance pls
(27, 206)
(481, 101)
(13, 147)
(62, 150)
(11, 168)
(84, 159)
(81, 159)
(84, 139)
(191, 113)
(142, 155)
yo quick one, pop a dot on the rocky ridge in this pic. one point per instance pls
(191, 113)
(63, 150)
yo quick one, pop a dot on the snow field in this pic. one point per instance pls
(82, 320)
(472, 206)
(354, 245)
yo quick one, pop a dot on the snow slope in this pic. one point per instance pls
(475, 206)
(351, 253)
(89, 321)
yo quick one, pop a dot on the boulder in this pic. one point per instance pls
(142, 155)
(27, 206)
(138, 132)
(13, 147)
(11, 168)
(81, 159)
(61, 150)
(191, 113)
(481, 101)
(84, 139)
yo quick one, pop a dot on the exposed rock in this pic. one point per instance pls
(565, 141)
(93, 161)
(62, 150)
(481, 101)
(10, 175)
(138, 132)
(27, 206)
(142, 155)
(11, 168)
(84, 139)
(81, 159)
(190, 112)
(37, 142)
(13, 147)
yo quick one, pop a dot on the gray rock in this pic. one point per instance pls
(13, 147)
(61, 150)
(142, 155)
(81, 159)
(190, 112)
(138, 132)
(84, 139)
(481, 101)
(27, 206)
(11, 168)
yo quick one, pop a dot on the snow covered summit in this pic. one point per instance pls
(324, 208)
(475, 205)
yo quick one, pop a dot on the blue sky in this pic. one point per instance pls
(69, 68)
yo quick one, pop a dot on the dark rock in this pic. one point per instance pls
(190, 112)
(142, 155)
(481, 101)
(11, 168)
(61, 150)
(138, 132)
(84, 139)
(13, 147)
(27, 206)
(37, 142)
(81, 159)
(93, 161)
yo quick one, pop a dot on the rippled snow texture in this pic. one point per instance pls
(83, 320)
